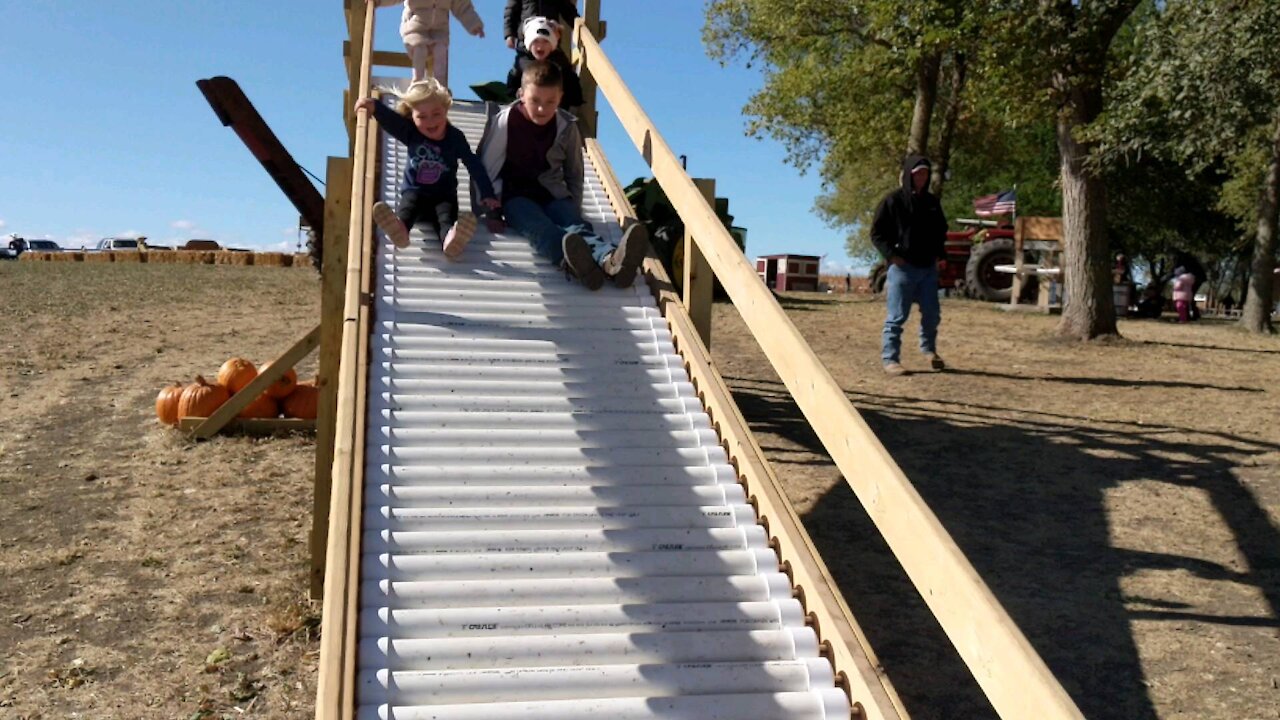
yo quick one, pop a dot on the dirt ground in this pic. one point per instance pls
(146, 576)
(1122, 500)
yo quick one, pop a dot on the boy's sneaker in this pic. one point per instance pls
(893, 369)
(935, 362)
(578, 258)
(385, 218)
(455, 241)
(625, 259)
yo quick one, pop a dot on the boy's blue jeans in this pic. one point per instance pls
(546, 226)
(903, 286)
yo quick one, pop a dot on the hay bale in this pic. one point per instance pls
(206, 257)
(286, 260)
(241, 258)
(99, 257)
(128, 257)
(77, 256)
(302, 260)
(269, 259)
(162, 256)
(222, 257)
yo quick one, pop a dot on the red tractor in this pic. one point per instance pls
(972, 256)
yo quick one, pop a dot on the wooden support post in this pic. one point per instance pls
(699, 281)
(250, 392)
(588, 117)
(337, 210)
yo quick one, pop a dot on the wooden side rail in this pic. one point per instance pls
(855, 662)
(1010, 672)
(336, 690)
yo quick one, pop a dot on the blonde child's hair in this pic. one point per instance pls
(430, 90)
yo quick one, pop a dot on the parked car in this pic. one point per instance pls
(202, 245)
(15, 246)
(117, 244)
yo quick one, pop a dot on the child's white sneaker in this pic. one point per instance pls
(624, 261)
(455, 241)
(385, 218)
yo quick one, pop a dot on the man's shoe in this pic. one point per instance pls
(625, 259)
(385, 218)
(455, 241)
(578, 258)
(893, 369)
(936, 362)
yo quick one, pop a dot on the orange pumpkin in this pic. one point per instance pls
(236, 373)
(281, 388)
(167, 403)
(200, 399)
(303, 402)
(264, 406)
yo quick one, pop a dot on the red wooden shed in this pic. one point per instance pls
(789, 272)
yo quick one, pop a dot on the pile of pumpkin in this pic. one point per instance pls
(285, 396)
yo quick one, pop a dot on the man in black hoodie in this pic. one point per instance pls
(910, 231)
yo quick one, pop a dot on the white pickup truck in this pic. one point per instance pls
(117, 244)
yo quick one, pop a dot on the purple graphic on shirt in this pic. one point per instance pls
(431, 165)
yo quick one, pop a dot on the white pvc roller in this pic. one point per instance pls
(485, 386)
(515, 307)
(558, 340)
(828, 704)
(554, 619)
(496, 422)
(421, 687)
(530, 475)
(479, 566)
(578, 591)
(557, 541)
(596, 649)
(445, 496)
(597, 404)
(651, 354)
(542, 437)
(384, 518)
(506, 455)
(523, 373)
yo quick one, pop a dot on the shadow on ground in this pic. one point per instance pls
(1023, 498)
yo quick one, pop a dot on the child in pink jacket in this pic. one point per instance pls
(1184, 284)
(424, 27)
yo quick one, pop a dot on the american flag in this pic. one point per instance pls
(1001, 203)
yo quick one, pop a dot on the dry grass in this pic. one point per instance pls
(131, 555)
(1120, 499)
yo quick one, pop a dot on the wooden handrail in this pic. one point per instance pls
(335, 692)
(1014, 677)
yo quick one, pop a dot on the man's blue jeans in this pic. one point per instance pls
(903, 286)
(546, 226)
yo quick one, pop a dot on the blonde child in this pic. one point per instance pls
(424, 28)
(429, 189)
(533, 152)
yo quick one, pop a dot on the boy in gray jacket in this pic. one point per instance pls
(532, 151)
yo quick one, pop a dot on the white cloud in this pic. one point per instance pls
(291, 232)
(134, 234)
(182, 225)
(3, 224)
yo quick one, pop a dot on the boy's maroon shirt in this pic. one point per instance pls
(527, 146)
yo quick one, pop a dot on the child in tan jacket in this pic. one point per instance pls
(424, 27)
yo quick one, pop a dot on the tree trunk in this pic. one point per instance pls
(949, 120)
(1089, 309)
(926, 98)
(1256, 316)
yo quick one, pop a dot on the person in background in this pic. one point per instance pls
(517, 11)
(532, 151)
(910, 231)
(542, 38)
(1184, 284)
(424, 28)
(429, 188)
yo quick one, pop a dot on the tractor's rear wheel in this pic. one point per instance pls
(982, 280)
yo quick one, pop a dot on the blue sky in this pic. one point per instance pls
(105, 132)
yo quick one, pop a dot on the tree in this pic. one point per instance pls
(842, 80)
(1205, 95)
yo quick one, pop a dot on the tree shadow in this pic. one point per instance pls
(1194, 346)
(1105, 382)
(1024, 500)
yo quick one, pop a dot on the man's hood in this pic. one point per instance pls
(910, 163)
